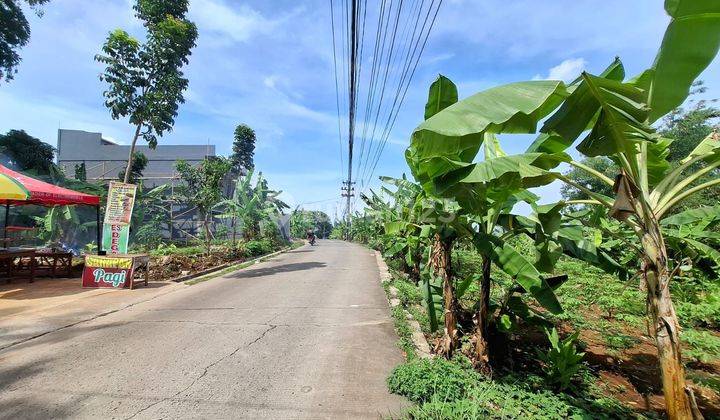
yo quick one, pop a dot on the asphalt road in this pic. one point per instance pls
(307, 334)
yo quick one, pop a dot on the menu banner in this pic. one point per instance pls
(120, 202)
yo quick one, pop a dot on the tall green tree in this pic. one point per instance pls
(201, 188)
(139, 163)
(588, 181)
(303, 220)
(81, 172)
(243, 148)
(27, 153)
(145, 81)
(14, 33)
(687, 127)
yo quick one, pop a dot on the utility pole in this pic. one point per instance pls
(348, 191)
(348, 185)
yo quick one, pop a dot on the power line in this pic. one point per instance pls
(388, 129)
(337, 90)
(371, 157)
(398, 41)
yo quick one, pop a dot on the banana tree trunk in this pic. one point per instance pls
(482, 347)
(131, 156)
(234, 232)
(441, 263)
(206, 223)
(679, 400)
(415, 270)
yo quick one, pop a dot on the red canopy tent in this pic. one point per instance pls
(45, 194)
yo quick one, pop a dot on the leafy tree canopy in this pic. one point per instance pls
(145, 81)
(201, 187)
(688, 127)
(14, 34)
(201, 184)
(303, 220)
(243, 148)
(27, 153)
(139, 163)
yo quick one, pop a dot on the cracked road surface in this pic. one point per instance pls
(307, 334)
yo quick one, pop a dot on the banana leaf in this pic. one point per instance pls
(451, 139)
(690, 44)
(443, 93)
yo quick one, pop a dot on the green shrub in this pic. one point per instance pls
(562, 360)
(408, 293)
(437, 379)
(257, 248)
(701, 309)
(441, 410)
(172, 249)
(702, 346)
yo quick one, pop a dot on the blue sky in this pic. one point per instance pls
(269, 64)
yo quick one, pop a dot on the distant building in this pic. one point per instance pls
(104, 159)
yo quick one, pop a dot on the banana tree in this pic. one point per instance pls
(405, 231)
(619, 117)
(249, 205)
(406, 225)
(242, 203)
(442, 155)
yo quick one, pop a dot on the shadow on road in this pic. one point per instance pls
(285, 268)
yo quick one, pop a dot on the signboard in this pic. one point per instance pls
(118, 213)
(107, 272)
(120, 201)
(115, 238)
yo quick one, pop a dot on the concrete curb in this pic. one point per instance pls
(421, 345)
(227, 265)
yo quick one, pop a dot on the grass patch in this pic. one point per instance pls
(453, 390)
(402, 326)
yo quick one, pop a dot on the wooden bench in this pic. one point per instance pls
(53, 263)
(17, 263)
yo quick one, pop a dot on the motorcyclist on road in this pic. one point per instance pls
(311, 236)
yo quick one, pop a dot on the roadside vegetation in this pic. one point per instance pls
(602, 305)
(214, 213)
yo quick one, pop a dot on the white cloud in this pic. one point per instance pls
(236, 24)
(566, 71)
(270, 81)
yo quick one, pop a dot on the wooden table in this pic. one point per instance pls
(54, 263)
(140, 262)
(17, 263)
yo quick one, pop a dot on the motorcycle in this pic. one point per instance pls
(312, 240)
